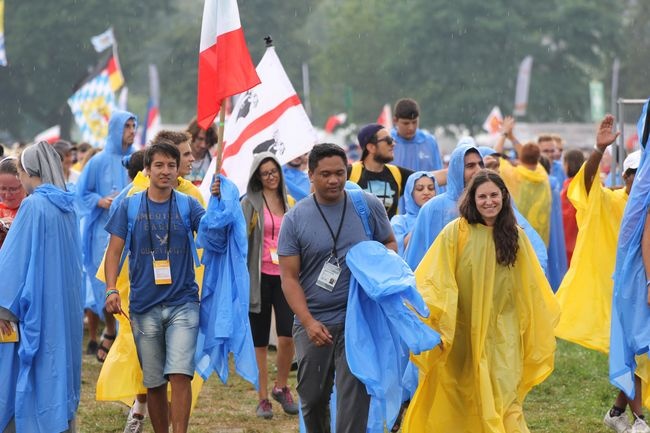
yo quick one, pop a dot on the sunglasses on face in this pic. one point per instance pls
(388, 139)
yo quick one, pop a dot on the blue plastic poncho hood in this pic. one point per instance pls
(381, 330)
(440, 210)
(403, 224)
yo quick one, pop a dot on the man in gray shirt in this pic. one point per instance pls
(314, 239)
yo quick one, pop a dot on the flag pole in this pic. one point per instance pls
(220, 128)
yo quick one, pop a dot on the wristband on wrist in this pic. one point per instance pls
(647, 283)
(111, 292)
(597, 149)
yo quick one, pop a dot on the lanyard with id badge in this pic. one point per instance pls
(275, 259)
(162, 272)
(331, 270)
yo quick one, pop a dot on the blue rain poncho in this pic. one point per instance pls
(381, 330)
(297, 182)
(223, 323)
(403, 224)
(437, 212)
(40, 264)
(103, 175)
(557, 260)
(419, 153)
(630, 333)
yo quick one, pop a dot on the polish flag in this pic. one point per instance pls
(385, 118)
(51, 135)
(335, 121)
(268, 117)
(225, 65)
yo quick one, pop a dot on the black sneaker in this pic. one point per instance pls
(283, 396)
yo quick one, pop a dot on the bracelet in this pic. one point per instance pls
(597, 149)
(111, 292)
(647, 283)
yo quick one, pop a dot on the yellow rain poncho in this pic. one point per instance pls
(585, 295)
(120, 378)
(496, 324)
(531, 192)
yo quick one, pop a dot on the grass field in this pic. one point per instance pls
(573, 400)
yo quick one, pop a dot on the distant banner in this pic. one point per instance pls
(523, 85)
(597, 98)
(3, 54)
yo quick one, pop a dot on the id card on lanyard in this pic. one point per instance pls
(331, 270)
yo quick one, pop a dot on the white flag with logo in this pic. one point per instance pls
(494, 121)
(103, 40)
(268, 117)
(523, 85)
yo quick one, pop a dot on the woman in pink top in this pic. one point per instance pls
(264, 206)
(12, 194)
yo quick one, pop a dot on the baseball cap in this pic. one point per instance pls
(632, 161)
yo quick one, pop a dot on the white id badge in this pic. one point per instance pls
(162, 272)
(328, 277)
(274, 256)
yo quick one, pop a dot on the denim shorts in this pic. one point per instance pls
(165, 338)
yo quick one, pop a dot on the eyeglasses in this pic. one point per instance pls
(266, 174)
(12, 190)
(388, 139)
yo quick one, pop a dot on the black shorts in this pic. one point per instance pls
(272, 296)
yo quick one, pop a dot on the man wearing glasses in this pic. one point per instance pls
(373, 173)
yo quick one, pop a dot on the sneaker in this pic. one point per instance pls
(264, 409)
(134, 423)
(640, 426)
(283, 396)
(620, 424)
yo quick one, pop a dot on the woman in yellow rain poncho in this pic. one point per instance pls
(585, 295)
(120, 378)
(495, 311)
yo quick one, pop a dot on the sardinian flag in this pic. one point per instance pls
(225, 65)
(268, 117)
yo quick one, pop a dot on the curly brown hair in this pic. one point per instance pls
(504, 231)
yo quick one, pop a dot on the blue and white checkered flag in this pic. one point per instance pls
(92, 106)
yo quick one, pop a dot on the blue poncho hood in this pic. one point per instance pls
(440, 210)
(116, 132)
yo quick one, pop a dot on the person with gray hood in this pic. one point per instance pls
(264, 206)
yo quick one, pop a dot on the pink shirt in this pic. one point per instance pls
(271, 232)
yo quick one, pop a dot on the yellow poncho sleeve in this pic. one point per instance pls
(120, 378)
(496, 323)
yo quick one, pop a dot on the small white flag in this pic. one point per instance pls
(103, 40)
(494, 121)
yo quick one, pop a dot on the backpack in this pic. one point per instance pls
(183, 206)
(360, 205)
(357, 168)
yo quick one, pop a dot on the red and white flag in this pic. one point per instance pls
(225, 65)
(386, 117)
(523, 85)
(51, 135)
(494, 121)
(335, 121)
(268, 117)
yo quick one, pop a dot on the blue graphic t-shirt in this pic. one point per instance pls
(164, 235)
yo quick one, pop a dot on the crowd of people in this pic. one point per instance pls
(410, 293)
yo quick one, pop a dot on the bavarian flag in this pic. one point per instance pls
(94, 100)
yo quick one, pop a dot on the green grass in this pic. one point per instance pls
(572, 400)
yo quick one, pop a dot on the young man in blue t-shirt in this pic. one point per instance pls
(164, 299)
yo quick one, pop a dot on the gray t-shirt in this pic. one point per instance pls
(305, 234)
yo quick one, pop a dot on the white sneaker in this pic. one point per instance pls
(134, 423)
(620, 424)
(640, 426)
